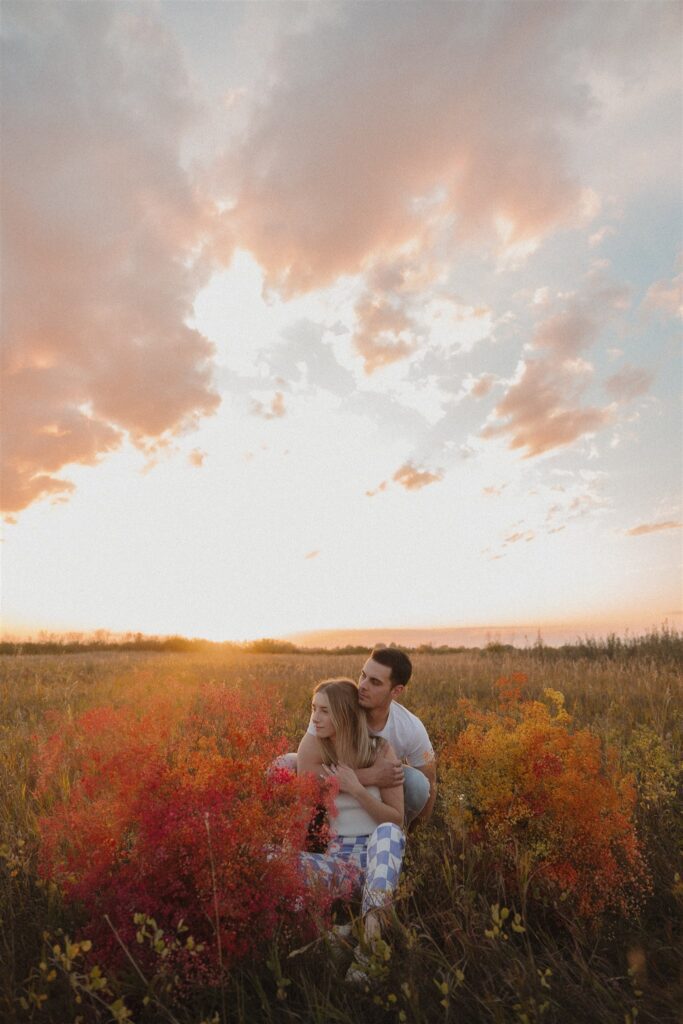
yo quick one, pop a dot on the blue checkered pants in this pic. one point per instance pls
(350, 863)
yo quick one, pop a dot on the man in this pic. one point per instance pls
(383, 678)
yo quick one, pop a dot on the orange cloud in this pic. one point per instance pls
(515, 538)
(101, 222)
(483, 385)
(638, 531)
(414, 479)
(196, 457)
(274, 411)
(380, 336)
(542, 410)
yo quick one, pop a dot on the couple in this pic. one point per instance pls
(360, 736)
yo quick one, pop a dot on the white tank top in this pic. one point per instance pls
(351, 819)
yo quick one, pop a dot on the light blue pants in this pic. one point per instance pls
(350, 863)
(415, 786)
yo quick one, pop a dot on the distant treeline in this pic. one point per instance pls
(665, 643)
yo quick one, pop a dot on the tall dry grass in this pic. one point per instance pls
(444, 959)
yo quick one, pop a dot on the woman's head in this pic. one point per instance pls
(341, 725)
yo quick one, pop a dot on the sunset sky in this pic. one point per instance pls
(341, 316)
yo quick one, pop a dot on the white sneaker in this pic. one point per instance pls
(357, 973)
(337, 939)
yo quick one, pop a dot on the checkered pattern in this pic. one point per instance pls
(372, 861)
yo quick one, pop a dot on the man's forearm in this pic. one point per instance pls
(368, 776)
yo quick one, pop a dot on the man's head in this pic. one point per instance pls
(383, 677)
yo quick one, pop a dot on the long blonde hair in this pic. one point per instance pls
(352, 743)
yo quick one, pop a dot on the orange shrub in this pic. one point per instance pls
(550, 802)
(170, 814)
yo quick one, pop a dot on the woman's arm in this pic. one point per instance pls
(389, 807)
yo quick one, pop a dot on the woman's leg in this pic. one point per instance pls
(384, 859)
(340, 868)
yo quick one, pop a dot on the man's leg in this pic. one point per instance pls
(415, 792)
(284, 761)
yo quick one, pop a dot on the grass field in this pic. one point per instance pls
(472, 938)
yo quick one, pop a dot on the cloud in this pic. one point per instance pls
(599, 236)
(312, 554)
(542, 411)
(542, 408)
(410, 478)
(515, 538)
(638, 531)
(628, 383)
(482, 385)
(377, 131)
(307, 361)
(414, 479)
(196, 457)
(666, 296)
(269, 411)
(102, 224)
(384, 332)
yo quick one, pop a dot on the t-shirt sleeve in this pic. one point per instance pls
(420, 751)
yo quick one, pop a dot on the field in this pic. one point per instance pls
(491, 922)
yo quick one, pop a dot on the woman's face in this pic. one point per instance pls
(321, 717)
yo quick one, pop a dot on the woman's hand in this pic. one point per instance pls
(347, 779)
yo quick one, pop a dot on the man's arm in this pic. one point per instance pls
(308, 757)
(386, 772)
(428, 770)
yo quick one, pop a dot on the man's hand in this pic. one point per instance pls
(386, 772)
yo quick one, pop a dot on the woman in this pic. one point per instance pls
(368, 841)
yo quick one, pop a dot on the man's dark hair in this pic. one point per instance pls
(399, 663)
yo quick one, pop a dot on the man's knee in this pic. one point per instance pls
(286, 762)
(416, 790)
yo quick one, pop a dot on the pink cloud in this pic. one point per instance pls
(628, 383)
(666, 296)
(344, 159)
(638, 531)
(101, 222)
(543, 407)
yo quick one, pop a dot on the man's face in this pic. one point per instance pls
(374, 686)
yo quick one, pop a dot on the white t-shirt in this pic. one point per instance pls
(407, 735)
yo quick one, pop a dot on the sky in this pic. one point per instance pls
(341, 316)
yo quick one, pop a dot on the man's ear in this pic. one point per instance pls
(396, 691)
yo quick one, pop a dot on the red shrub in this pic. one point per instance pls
(173, 814)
